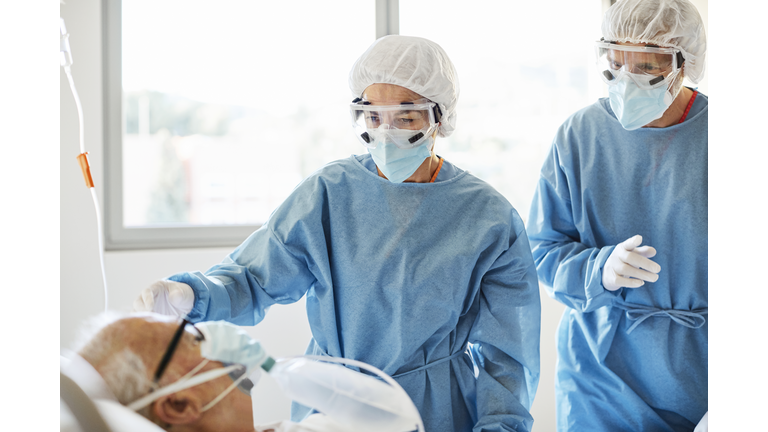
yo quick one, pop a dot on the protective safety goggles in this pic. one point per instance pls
(408, 125)
(648, 66)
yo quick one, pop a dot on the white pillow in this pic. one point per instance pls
(122, 419)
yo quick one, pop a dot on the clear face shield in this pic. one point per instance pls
(407, 125)
(648, 66)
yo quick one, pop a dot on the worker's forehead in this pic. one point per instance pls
(390, 94)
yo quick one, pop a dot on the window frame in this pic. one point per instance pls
(119, 237)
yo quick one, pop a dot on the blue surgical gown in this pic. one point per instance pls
(633, 359)
(403, 277)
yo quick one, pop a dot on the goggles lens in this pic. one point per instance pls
(408, 125)
(648, 67)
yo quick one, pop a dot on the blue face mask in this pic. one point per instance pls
(635, 107)
(398, 164)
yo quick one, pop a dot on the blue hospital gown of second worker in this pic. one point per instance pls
(636, 358)
(400, 276)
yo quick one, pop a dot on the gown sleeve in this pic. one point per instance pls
(570, 271)
(505, 339)
(259, 273)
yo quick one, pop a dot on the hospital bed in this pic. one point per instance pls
(79, 413)
(86, 406)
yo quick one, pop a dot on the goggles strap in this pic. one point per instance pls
(195, 370)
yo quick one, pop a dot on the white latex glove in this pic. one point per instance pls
(628, 265)
(703, 425)
(167, 298)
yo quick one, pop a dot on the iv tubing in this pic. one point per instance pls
(89, 182)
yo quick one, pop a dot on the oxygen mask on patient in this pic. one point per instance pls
(352, 399)
(221, 342)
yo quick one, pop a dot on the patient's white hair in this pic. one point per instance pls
(123, 370)
(91, 326)
(126, 375)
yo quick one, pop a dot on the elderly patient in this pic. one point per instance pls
(127, 353)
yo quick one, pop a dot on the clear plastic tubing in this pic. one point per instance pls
(66, 62)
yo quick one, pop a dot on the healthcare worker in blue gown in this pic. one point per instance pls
(618, 228)
(404, 258)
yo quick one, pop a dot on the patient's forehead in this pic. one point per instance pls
(149, 335)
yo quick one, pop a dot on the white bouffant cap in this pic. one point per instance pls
(666, 23)
(417, 64)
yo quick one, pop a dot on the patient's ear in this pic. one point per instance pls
(178, 408)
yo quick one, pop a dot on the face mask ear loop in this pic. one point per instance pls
(180, 385)
(224, 393)
(156, 386)
(195, 370)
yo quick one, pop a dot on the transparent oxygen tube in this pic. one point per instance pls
(65, 54)
(352, 399)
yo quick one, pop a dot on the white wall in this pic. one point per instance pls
(285, 330)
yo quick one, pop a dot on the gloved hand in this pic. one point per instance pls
(167, 298)
(628, 265)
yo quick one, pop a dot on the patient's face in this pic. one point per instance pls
(148, 336)
(233, 413)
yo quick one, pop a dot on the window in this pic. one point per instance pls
(520, 79)
(217, 110)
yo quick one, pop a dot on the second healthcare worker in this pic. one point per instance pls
(404, 258)
(631, 170)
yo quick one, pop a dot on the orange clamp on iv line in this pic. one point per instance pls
(86, 167)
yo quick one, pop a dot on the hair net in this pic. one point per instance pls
(415, 63)
(667, 23)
